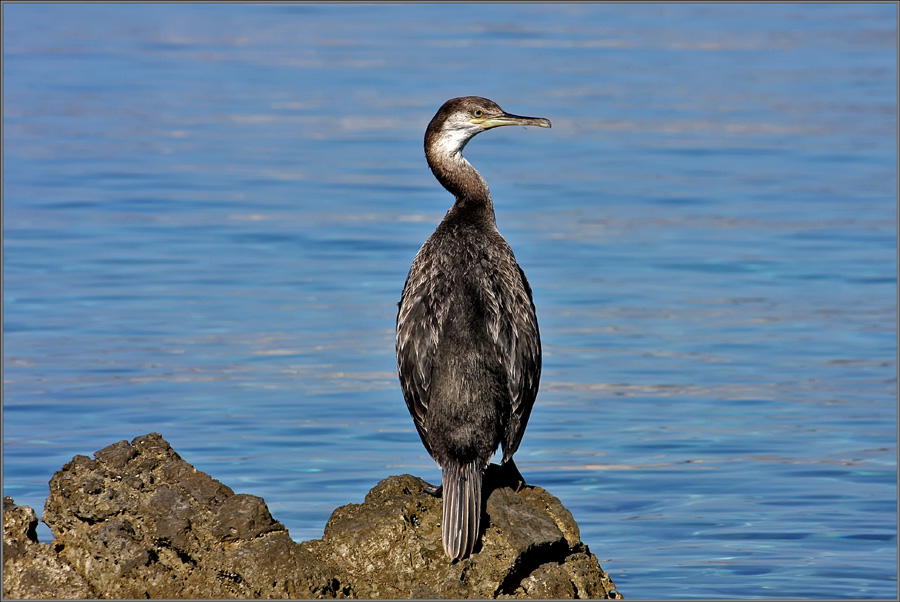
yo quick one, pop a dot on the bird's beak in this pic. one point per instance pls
(507, 119)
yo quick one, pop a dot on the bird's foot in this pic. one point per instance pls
(505, 475)
(513, 474)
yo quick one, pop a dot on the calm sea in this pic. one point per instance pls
(209, 211)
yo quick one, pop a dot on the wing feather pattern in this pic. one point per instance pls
(511, 323)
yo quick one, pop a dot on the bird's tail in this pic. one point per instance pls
(462, 508)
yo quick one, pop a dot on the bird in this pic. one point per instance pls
(468, 345)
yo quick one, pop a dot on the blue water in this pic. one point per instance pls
(209, 212)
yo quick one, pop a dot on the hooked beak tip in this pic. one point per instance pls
(492, 122)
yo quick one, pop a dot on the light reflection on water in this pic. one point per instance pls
(209, 212)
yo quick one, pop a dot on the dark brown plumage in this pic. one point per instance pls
(468, 346)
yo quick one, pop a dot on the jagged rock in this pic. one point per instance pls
(32, 569)
(137, 521)
(390, 547)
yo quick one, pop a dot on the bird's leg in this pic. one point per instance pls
(435, 491)
(514, 475)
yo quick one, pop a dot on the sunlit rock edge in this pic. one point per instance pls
(137, 521)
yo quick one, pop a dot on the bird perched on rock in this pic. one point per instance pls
(468, 346)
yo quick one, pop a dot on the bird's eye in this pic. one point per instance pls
(478, 113)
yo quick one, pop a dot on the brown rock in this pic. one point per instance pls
(32, 569)
(390, 547)
(137, 521)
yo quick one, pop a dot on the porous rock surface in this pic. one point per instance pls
(137, 521)
(32, 569)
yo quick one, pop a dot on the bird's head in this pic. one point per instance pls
(460, 119)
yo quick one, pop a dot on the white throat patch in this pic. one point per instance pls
(452, 140)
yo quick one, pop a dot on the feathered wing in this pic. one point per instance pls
(519, 344)
(417, 336)
(512, 325)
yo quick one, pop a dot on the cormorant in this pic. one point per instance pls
(468, 346)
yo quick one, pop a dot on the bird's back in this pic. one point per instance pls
(468, 347)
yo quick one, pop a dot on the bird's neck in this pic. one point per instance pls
(458, 176)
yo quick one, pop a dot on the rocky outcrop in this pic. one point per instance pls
(137, 521)
(32, 569)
